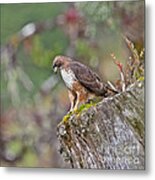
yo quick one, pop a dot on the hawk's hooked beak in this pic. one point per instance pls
(55, 68)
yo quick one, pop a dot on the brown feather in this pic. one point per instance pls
(89, 79)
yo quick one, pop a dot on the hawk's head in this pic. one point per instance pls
(60, 61)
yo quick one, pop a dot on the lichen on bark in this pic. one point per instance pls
(107, 135)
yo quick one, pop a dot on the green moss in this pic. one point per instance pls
(85, 107)
(141, 78)
(66, 117)
(77, 112)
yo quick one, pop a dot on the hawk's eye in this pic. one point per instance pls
(56, 64)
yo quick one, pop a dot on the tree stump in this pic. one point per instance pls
(108, 135)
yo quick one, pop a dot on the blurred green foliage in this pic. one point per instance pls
(82, 47)
(41, 56)
(15, 16)
(44, 46)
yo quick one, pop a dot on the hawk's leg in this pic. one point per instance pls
(82, 98)
(72, 97)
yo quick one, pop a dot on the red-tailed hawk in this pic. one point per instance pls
(81, 81)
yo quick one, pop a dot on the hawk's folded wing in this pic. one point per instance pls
(89, 79)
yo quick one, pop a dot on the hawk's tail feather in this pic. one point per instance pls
(107, 90)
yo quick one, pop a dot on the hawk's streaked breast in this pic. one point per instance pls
(68, 77)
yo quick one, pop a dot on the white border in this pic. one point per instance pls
(52, 174)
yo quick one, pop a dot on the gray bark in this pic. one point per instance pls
(109, 135)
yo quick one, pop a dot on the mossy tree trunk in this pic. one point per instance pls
(108, 135)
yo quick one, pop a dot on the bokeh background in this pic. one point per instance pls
(33, 98)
